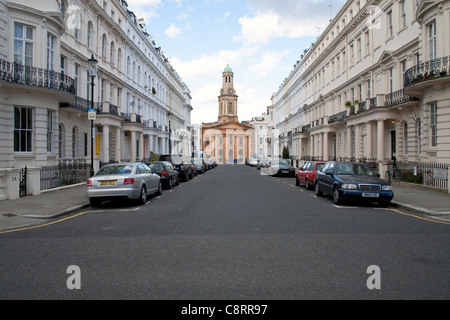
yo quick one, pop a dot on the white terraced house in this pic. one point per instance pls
(46, 92)
(375, 86)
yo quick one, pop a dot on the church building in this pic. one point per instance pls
(227, 140)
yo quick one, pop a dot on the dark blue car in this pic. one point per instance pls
(352, 181)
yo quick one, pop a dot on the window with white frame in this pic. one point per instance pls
(402, 13)
(23, 44)
(49, 131)
(433, 124)
(432, 40)
(23, 129)
(50, 51)
(390, 26)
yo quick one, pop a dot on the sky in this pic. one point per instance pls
(261, 40)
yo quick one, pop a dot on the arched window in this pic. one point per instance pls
(104, 46)
(230, 108)
(128, 67)
(119, 58)
(90, 35)
(111, 52)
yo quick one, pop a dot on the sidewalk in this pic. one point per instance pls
(33, 210)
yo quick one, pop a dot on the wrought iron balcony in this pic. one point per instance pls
(398, 97)
(37, 77)
(429, 70)
(337, 117)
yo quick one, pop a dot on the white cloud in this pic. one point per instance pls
(264, 27)
(212, 64)
(268, 62)
(173, 32)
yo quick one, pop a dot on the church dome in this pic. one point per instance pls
(228, 69)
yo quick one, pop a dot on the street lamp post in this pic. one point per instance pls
(92, 69)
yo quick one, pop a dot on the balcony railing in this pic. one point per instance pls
(428, 70)
(38, 77)
(79, 104)
(398, 97)
(337, 117)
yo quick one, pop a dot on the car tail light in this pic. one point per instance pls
(89, 183)
(128, 181)
(164, 174)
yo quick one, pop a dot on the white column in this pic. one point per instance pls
(325, 146)
(118, 145)
(133, 146)
(380, 140)
(105, 157)
(369, 140)
(349, 151)
(141, 145)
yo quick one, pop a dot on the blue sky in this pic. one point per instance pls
(261, 40)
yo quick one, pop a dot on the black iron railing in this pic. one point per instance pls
(428, 70)
(37, 77)
(398, 97)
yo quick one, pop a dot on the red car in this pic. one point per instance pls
(307, 174)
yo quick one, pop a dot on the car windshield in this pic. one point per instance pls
(197, 161)
(122, 169)
(352, 169)
(156, 166)
(281, 162)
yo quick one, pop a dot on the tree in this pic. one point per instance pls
(285, 152)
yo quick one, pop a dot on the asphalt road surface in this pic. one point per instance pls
(230, 234)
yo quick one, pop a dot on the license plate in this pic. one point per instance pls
(108, 183)
(284, 171)
(371, 195)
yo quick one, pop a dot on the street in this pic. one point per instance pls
(230, 234)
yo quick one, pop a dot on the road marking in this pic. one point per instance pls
(46, 224)
(418, 217)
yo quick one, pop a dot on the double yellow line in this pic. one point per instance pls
(418, 217)
(44, 225)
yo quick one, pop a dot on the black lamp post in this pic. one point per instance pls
(169, 114)
(92, 69)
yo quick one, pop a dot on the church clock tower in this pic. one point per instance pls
(228, 98)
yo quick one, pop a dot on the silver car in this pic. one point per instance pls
(123, 180)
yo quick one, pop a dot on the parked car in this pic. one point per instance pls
(211, 162)
(281, 167)
(253, 162)
(167, 173)
(181, 163)
(200, 164)
(123, 181)
(355, 181)
(306, 175)
(263, 163)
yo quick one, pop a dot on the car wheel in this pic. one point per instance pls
(169, 183)
(317, 190)
(143, 196)
(336, 196)
(178, 181)
(158, 192)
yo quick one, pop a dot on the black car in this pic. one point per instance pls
(181, 163)
(168, 174)
(352, 180)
